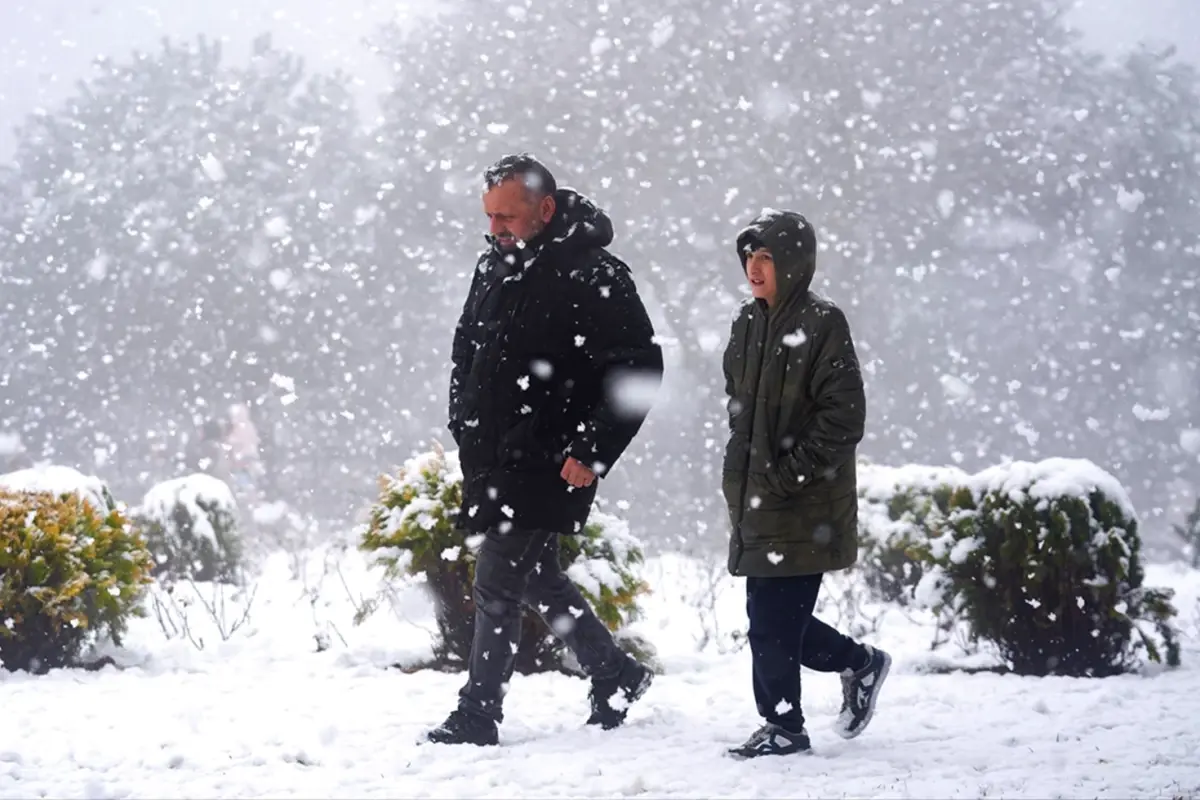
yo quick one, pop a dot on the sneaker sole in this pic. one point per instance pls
(736, 756)
(845, 733)
(424, 740)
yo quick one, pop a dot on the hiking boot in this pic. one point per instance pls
(612, 697)
(860, 690)
(463, 727)
(772, 740)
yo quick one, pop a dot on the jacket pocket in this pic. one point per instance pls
(777, 527)
(779, 482)
(765, 492)
(521, 447)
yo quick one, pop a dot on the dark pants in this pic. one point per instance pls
(521, 567)
(783, 636)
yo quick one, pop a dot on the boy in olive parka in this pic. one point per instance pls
(796, 415)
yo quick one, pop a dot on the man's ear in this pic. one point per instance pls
(548, 208)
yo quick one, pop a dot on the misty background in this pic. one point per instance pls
(282, 216)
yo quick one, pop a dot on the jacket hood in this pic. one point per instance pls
(578, 221)
(793, 245)
(578, 224)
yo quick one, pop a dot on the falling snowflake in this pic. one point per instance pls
(795, 338)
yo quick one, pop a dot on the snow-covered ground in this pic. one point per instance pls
(263, 714)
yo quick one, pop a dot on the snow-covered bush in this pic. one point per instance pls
(412, 534)
(190, 525)
(59, 480)
(70, 571)
(898, 510)
(1043, 561)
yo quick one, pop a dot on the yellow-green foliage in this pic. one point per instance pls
(1043, 560)
(413, 522)
(412, 532)
(604, 551)
(68, 572)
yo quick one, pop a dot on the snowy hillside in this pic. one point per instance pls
(261, 713)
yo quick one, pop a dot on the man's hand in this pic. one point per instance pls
(576, 474)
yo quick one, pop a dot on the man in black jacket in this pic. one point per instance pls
(554, 359)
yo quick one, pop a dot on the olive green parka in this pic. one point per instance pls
(796, 415)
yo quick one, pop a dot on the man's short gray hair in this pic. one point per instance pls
(533, 173)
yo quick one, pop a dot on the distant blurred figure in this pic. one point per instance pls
(208, 453)
(555, 366)
(797, 409)
(243, 445)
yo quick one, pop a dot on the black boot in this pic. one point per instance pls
(612, 697)
(463, 727)
(772, 740)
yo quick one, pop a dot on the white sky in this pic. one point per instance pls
(47, 45)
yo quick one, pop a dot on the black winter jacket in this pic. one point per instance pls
(554, 356)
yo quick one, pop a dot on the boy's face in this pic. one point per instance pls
(760, 271)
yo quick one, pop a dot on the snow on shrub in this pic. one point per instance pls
(898, 509)
(191, 527)
(59, 480)
(70, 571)
(412, 534)
(1043, 560)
